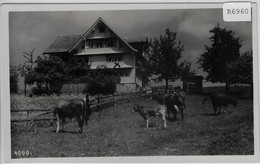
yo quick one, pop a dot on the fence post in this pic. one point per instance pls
(114, 100)
(98, 103)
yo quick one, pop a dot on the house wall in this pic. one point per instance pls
(97, 45)
(97, 60)
(128, 59)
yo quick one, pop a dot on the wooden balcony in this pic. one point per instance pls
(100, 51)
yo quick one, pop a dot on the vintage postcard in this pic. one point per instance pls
(129, 82)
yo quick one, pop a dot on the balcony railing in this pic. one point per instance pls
(107, 50)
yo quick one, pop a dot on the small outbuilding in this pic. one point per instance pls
(192, 84)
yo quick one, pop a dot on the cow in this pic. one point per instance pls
(173, 101)
(69, 109)
(158, 110)
(220, 99)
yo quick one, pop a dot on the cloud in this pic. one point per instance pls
(38, 30)
(195, 28)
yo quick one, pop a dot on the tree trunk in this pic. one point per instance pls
(46, 88)
(24, 89)
(227, 88)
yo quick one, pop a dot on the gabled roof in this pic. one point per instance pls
(89, 30)
(62, 44)
(67, 43)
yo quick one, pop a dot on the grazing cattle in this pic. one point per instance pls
(158, 110)
(182, 98)
(174, 102)
(69, 109)
(219, 99)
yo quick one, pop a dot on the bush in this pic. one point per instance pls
(102, 81)
(38, 91)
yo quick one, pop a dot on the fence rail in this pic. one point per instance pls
(101, 103)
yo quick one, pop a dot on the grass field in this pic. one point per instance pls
(116, 131)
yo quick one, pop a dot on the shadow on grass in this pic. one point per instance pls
(64, 131)
(172, 119)
(211, 114)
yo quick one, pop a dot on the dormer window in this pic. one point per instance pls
(101, 29)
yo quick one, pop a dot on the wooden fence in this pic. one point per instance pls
(98, 104)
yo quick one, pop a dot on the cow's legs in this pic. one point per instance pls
(219, 109)
(164, 121)
(168, 113)
(80, 124)
(147, 123)
(181, 110)
(57, 124)
(62, 123)
(215, 109)
(174, 113)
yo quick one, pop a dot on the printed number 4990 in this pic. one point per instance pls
(22, 153)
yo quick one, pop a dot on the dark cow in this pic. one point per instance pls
(69, 109)
(174, 103)
(220, 99)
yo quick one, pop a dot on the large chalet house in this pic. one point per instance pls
(103, 47)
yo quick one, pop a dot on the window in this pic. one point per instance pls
(114, 58)
(91, 45)
(101, 29)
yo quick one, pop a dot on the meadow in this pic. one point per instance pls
(117, 131)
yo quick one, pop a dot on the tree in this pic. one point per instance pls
(50, 72)
(164, 56)
(13, 79)
(26, 67)
(217, 58)
(102, 81)
(78, 67)
(241, 70)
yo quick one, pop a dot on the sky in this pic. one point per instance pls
(29, 30)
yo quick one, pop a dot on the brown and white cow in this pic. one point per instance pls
(69, 109)
(146, 112)
(173, 101)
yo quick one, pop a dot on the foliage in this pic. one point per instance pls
(50, 72)
(26, 68)
(78, 67)
(164, 56)
(102, 81)
(13, 74)
(216, 59)
(13, 79)
(241, 70)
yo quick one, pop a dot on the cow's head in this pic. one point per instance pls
(137, 108)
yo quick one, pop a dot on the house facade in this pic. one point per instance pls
(103, 47)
